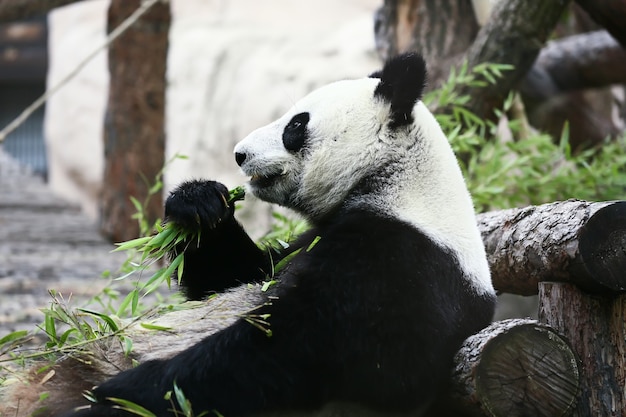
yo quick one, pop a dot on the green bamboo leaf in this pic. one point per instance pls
(65, 336)
(13, 336)
(126, 302)
(155, 188)
(312, 244)
(131, 407)
(163, 274)
(135, 302)
(151, 326)
(236, 194)
(158, 239)
(131, 244)
(183, 402)
(268, 284)
(181, 268)
(137, 204)
(128, 345)
(107, 319)
(50, 326)
(167, 244)
(283, 262)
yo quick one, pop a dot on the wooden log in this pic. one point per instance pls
(514, 368)
(586, 60)
(595, 325)
(571, 241)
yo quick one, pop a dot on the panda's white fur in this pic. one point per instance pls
(372, 302)
(349, 139)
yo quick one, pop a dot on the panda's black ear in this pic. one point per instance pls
(402, 82)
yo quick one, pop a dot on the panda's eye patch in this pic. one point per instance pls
(295, 132)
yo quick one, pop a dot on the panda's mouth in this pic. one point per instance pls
(265, 180)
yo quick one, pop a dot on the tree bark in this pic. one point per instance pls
(553, 88)
(571, 241)
(134, 126)
(514, 35)
(514, 368)
(587, 60)
(596, 328)
(440, 30)
(12, 10)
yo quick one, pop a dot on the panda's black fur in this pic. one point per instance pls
(371, 309)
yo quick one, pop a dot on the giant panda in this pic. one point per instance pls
(374, 299)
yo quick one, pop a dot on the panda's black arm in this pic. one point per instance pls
(222, 255)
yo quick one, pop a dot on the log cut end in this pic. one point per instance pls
(602, 246)
(517, 368)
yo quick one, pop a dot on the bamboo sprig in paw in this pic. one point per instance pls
(165, 240)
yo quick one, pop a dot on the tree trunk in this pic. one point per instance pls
(571, 241)
(576, 62)
(440, 30)
(596, 328)
(134, 125)
(514, 35)
(553, 89)
(514, 368)
(12, 10)
(446, 32)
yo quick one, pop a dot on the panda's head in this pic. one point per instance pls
(369, 144)
(331, 141)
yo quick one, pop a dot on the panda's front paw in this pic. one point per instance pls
(198, 204)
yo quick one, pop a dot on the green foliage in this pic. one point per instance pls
(503, 173)
(185, 405)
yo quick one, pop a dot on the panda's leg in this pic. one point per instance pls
(238, 371)
(222, 255)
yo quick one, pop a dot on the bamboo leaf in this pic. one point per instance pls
(151, 326)
(132, 244)
(283, 262)
(131, 407)
(107, 319)
(13, 336)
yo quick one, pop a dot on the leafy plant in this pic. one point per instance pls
(503, 173)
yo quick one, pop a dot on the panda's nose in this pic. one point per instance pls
(240, 157)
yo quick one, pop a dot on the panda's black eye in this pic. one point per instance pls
(295, 133)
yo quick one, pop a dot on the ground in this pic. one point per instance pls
(45, 243)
